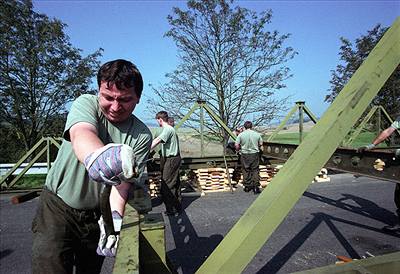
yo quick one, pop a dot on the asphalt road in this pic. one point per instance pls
(343, 217)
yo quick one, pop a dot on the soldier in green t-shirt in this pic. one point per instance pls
(105, 147)
(382, 137)
(170, 161)
(249, 143)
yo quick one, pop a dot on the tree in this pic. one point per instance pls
(352, 57)
(230, 59)
(40, 70)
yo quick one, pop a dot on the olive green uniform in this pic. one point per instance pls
(65, 227)
(170, 162)
(249, 142)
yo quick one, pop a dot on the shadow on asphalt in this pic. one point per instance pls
(5, 253)
(366, 208)
(188, 244)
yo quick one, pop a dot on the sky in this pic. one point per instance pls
(134, 30)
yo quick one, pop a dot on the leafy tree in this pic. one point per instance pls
(40, 70)
(229, 58)
(352, 55)
(11, 149)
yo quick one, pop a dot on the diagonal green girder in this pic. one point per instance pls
(260, 220)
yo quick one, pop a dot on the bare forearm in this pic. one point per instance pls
(155, 142)
(84, 140)
(383, 136)
(119, 196)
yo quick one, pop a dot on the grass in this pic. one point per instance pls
(30, 181)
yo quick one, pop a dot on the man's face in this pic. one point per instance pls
(160, 122)
(116, 104)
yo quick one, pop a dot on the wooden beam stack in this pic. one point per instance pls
(214, 179)
(322, 176)
(154, 183)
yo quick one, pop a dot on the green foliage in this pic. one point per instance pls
(230, 58)
(352, 56)
(40, 71)
(11, 148)
(31, 181)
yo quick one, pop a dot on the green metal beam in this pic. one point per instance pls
(388, 263)
(218, 120)
(194, 107)
(358, 130)
(375, 109)
(301, 120)
(23, 158)
(283, 123)
(127, 257)
(22, 173)
(310, 114)
(260, 220)
(301, 107)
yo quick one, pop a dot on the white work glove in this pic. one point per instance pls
(367, 147)
(108, 244)
(112, 164)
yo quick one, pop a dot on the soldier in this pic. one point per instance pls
(249, 143)
(104, 146)
(170, 161)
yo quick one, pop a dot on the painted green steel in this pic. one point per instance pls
(310, 114)
(358, 130)
(260, 220)
(127, 257)
(301, 107)
(203, 104)
(375, 109)
(388, 263)
(218, 120)
(301, 120)
(23, 158)
(47, 141)
(283, 123)
(184, 119)
(152, 253)
(22, 173)
(202, 130)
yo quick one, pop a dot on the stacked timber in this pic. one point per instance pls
(214, 179)
(267, 172)
(154, 183)
(322, 176)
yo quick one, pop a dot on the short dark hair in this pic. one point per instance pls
(171, 119)
(163, 115)
(248, 124)
(123, 74)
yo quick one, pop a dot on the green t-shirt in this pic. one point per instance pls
(68, 177)
(249, 141)
(396, 123)
(169, 142)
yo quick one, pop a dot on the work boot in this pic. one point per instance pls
(256, 190)
(247, 189)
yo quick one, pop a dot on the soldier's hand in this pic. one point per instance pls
(367, 147)
(108, 244)
(112, 164)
